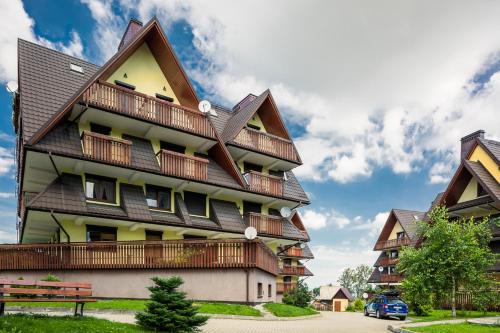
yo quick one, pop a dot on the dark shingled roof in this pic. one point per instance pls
(375, 277)
(220, 121)
(493, 147)
(63, 139)
(109, 210)
(292, 188)
(143, 155)
(408, 221)
(46, 83)
(133, 200)
(485, 178)
(291, 231)
(227, 215)
(181, 209)
(241, 118)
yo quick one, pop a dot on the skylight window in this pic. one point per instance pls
(76, 68)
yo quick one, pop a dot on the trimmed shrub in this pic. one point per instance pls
(350, 308)
(359, 305)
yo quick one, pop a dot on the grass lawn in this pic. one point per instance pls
(138, 305)
(456, 328)
(446, 314)
(284, 310)
(45, 324)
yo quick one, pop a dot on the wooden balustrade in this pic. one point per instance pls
(265, 224)
(106, 148)
(283, 287)
(132, 103)
(180, 165)
(390, 278)
(267, 184)
(293, 252)
(293, 270)
(391, 243)
(207, 254)
(267, 143)
(387, 261)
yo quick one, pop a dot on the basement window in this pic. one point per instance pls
(76, 68)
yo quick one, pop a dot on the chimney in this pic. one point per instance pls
(468, 141)
(132, 28)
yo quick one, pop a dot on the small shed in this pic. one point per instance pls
(334, 298)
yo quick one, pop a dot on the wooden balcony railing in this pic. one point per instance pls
(265, 224)
(293, 252)
(267, 184)
(106, 148)
(391, 243)
(293, 270)
(283, 287)
(122, 100)
(206, 254)
(181, 165)
(267, 143)
(390, 278)
(387, 261)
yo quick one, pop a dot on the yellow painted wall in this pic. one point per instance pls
(77, 233)
(171, 235)
(124, 234)
(397, 228)
(256, 121)
(480, 155)
(470, 191)
(144, 73)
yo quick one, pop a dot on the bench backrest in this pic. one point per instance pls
(32, 287)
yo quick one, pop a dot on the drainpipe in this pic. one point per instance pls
(60, 226)
(248, 285)
(54, 164)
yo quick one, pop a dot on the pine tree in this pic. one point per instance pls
(168, 309)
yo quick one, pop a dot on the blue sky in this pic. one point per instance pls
(377, 110)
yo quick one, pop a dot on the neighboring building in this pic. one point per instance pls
(399, 230)
(474, 190)
(121, 178)
(333, 298)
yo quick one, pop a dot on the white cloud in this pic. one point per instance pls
(7, 237)
(374, 226)
(7, 195)
(374, 84)
(7, 161)
(16, 23)
(321, 219)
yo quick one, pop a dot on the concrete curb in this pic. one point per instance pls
(477, 321)
(36, 310)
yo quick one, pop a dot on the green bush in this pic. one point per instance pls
(359, 305)
(298, 296)
(350, 308)
(168, 309)
(423, 310)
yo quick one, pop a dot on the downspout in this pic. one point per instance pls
(248, 285)
(60, 226)
(54, 164)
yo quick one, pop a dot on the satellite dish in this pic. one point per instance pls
(302, 245)
(365, 295)
(204, 106)
(12, 86)
(285, 212)
(250, 233)
(380, 269)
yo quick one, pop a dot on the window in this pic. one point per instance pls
(159, 197)
(100, 188)
(152, 235)
(196, 203)
(172, 147)
(269, 290)
(251, 167)
(287, 262)
(100, 234)
(274, 212)
(260, 291)
(251, 207)
(400, 235)
(287, 279)
(391, 269)
(394, 254)
(96, 128)
(187, 236)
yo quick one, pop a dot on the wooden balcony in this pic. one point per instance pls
(202, 254)
(391, 243)
(180, 165)
(265, 224)
(131, 103)
(267, 184)
(292, 252)
(293, 270)
(283, 287)
(267, 144)
(106, 148)
(390, 278)
(387, 261)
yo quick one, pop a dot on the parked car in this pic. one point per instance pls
(386, 306)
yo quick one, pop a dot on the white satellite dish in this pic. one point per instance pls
(12, 86)
(250, 233)
(302, 245)
(204, 106)
(285, 212)
(365, 295)
(380, 269)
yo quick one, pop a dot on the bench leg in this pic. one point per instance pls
(2, 309)
(81, 309)
(76, 309)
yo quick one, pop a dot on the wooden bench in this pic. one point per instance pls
(44, 291)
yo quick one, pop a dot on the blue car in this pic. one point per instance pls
(386, 306)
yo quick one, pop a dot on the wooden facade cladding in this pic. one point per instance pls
(265, 224)
(106, 148)
(391, 243)
(283, 287)
(122, 100)
(293, 270)
(186, 254)
(181, 165)
(267, 143)
(262, 183)
(390, 278)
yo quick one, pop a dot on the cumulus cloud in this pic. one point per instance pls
(7, 195)
(8, 236)
(7, 160)
(374, 84)
(315, 220)
(373, 226)
(16, 23)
